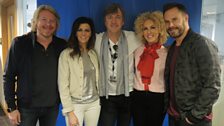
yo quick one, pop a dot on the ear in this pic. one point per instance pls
(186, 17)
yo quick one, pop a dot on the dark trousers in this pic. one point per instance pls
(182, 122)
(47, 116)
(147, 108)
(115, 110)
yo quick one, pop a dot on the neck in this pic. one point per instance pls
(45, 41)
(114, 37)
(83, 48)
(180, 39)
(151, 43)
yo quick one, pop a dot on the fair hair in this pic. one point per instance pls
(37, 13)
(157, 18)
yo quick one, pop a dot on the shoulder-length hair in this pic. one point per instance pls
(73, 40)
(157, 18)
(37, 13)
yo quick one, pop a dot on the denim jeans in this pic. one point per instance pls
(115, 110)
(47, 116)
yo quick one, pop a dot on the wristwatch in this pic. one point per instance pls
(10, 109)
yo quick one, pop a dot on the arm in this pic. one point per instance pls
(206, 55)
(63, 82)
(9, 76)
(9, 81)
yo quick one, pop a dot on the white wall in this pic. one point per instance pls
(25, 10)
(212, 26)
(2, 100)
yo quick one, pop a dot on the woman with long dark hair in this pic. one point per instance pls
(78, 76)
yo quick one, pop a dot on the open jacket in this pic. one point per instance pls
(71, 77)
(18, 68)
(196, 76)
(133, 43)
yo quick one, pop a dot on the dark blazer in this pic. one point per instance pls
(18, 68)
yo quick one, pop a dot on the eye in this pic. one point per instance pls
(167, 22)
(43, 19)
(174, 19)
(87, 30)
(84, 30)
(79, 30)
(145, 29)
(109, 17)
(118, 17)
(153, 27)
(52, 21)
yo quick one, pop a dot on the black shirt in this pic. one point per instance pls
(44, 79)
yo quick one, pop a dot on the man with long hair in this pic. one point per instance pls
(30, 76)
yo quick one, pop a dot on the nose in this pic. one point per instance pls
(149, 30)
(83, 32)
(113, 20)
(49, 22)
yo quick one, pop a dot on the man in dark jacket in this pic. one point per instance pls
(30, 75)
(192, 72)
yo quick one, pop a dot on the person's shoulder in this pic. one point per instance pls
(194, 36)
(92, 51)
(129, 33)
(132, 39)
(60, 40)
(202, 40)
(163, 49)
(23, 39)
(201, 43)
(66, 51)
(131, 36)
(99, 35)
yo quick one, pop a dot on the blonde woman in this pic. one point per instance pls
(148, 95)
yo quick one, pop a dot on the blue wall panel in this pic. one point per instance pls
(69, 10)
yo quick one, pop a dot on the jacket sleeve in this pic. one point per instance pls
(206, 54)
(10, 74)
(63, 82)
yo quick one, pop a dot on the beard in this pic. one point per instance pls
(176, 32)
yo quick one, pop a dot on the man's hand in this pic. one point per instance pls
(14, 117)
(188, 121)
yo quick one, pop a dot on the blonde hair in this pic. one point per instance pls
(157, 18)
(37, 13)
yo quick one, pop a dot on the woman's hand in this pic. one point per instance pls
(72, 119)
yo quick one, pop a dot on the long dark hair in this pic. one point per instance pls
(73, 40)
